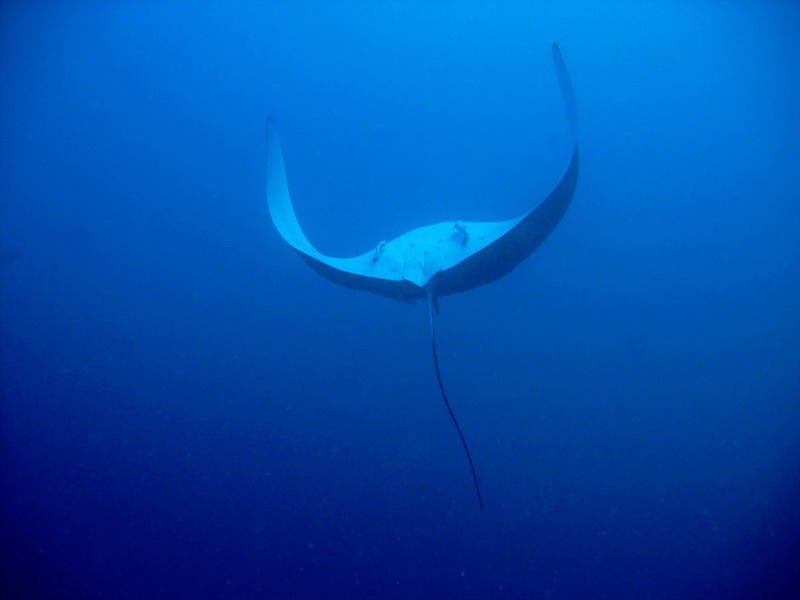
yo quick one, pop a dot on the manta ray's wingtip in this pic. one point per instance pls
(273, 139)
(557, 56)
(567, 92)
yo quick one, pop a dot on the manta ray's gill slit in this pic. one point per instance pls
(431, 302)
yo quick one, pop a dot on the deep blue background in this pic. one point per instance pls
(188, 411)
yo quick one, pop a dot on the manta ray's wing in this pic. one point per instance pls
(452, 256)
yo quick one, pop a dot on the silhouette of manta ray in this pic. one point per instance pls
(434, 260)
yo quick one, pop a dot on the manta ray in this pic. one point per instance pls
(434, 260)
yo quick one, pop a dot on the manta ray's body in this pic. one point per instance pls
(435, 260)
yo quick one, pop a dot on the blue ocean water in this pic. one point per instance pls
(189, 411)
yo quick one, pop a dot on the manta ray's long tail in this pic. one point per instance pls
(431, 301)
